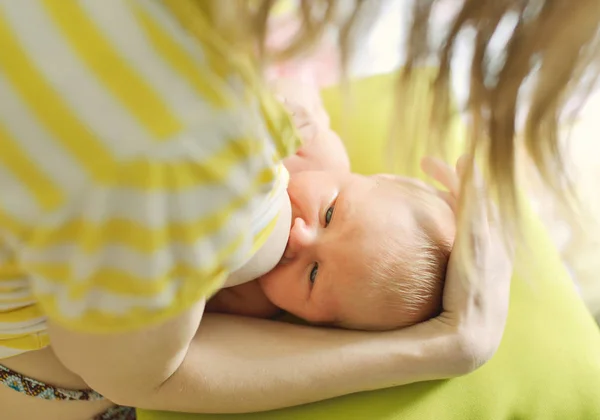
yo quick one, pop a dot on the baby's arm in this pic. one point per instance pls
(246, 299)
(322, 148)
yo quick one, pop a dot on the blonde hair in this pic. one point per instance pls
(405, 278)
(410, 285)
(552, 50)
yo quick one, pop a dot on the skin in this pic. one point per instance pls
(339, 222)
(324, 275)
(242, 364)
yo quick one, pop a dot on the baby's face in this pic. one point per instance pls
(337, 218)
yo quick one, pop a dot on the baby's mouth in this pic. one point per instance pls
(285, 258)
(287, 254)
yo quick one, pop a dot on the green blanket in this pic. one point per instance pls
(548, 365)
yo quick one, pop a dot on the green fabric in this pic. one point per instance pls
(548, 365)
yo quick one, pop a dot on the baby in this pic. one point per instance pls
(364, 252)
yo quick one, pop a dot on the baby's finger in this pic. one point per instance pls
(441, 172)
(304, 122)
(295, 109)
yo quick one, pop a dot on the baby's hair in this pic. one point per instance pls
(407, 277)
(412, 275)
(412, 281)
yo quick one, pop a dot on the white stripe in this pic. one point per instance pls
(38, 144)
(173, 27)
(150, 207)
(98, 299)
(122, 258)
(157, 209)
(68, 75)
(12, 306)
(15, 198)
(14, 284)
(29, 326)
(15, 294)
(208, 133)
(272, 206)
(201, 254)
(118, 24)
(6, 352)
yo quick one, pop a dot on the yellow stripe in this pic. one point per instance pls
(191, 292)
(20, 302)
(6, 291)
(9, 267)
(113, 70)
(118, 282)
(21, 314)
(24, 342)
(46, 193)
(224, 59)
(110, 280)
(12, 225)
(48, 106)
(279, 124)
(10, 270)
(150, 175)
(262, 235)
(192, 17)
(91, 237)
(205, 83)
(126, 284)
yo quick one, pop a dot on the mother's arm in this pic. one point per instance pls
(238, 364)
(233, 364)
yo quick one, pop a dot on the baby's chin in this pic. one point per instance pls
(268, 280)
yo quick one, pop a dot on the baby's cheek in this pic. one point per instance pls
(273, 285)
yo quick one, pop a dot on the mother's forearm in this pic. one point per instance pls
(237, 364)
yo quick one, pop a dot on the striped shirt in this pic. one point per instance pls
(139, 164)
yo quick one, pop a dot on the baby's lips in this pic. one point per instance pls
(287, 255)
(295, 209)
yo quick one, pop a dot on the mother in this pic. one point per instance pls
(140, 165)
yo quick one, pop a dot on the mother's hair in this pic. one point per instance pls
(551, 50)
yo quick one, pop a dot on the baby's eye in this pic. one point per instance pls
(329, 215)
(313, 273)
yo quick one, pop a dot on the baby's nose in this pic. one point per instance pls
(301, 238)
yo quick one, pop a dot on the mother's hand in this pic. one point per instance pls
(477, 288)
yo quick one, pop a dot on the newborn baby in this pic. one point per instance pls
(364, 252)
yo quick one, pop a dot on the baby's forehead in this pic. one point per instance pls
(404, 185)
(376, 242)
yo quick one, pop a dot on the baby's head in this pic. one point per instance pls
(364, 252)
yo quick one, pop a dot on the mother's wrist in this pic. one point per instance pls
(446, 351)
(461, 348)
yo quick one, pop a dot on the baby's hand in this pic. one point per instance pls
(321, 149)
(303, 101)
(448, 177)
